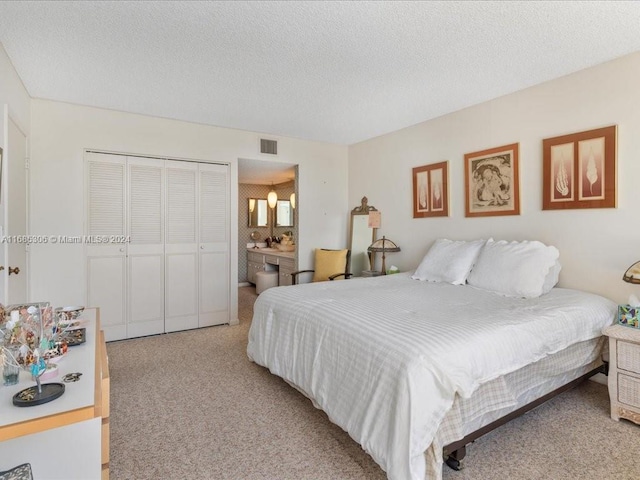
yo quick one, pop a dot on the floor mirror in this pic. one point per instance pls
(361, 235)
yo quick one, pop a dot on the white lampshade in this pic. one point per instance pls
(252, 204)
(292, 199)
(272, 198)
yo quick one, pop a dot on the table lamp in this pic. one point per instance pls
(383, 245)
(632, 275)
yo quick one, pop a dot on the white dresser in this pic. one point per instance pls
(67, 438)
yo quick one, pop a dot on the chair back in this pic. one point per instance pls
(328, 263)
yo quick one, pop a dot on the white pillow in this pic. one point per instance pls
(552, 277)
(448, 261)
(515, 269)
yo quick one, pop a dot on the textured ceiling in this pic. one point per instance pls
(339, 72)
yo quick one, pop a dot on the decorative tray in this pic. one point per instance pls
(30, 397)
(75, 337)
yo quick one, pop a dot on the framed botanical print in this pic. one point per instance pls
(579, 170)
(431, 190)
(491, 182)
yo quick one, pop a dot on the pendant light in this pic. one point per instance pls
(272, 198)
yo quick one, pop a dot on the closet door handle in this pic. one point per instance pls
(15, 270)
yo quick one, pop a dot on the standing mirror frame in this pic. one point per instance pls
(361, 236)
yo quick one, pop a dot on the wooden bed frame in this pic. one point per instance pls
(456, 451)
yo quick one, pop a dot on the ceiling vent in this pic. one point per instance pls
(268, 146)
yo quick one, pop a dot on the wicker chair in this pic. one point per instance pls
(328, 265)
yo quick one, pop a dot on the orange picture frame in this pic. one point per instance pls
(579, 170)
(431, 190)
(491, 182)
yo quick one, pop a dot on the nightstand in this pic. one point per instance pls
(624, 372)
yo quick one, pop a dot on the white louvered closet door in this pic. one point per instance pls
(181, 246)
(145, 259)
(213, 244)
(106, 261)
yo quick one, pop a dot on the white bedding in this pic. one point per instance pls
(385, 356)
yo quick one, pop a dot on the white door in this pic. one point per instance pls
(164, 263)
(181, 246)
(214, 244)
(16, 221)
(107, 257)
(145, 257)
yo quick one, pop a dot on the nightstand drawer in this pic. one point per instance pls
(629, 390)
(628, 356)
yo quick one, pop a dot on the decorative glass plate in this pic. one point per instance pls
(75, 337)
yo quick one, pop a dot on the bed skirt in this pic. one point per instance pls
(501, 396)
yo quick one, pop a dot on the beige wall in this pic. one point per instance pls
(61, 132)
(596, 245)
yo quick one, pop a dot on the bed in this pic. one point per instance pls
(409, 367)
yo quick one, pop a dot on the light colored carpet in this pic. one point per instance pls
(190, 405)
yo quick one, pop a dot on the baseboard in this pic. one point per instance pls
(244, 284)
(599, 378)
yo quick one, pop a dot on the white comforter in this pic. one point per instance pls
(384, 357)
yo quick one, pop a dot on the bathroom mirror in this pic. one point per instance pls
(284, 214)
(360, 237)
(258, 214)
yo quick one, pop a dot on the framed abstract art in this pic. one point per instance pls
(491, 182)
(431, 190)
(579, 170)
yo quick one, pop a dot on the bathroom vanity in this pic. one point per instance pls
(266, 259)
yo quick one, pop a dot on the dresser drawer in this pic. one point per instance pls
(287, 264)
(255, 257)
(252, 269)
(628, 356)
(272, 259)
(286, 268)
(628, 390)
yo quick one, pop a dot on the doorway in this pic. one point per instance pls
(256, 178)
(16, 209)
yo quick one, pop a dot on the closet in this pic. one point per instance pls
(157, 243)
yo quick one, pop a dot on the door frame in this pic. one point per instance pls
(4, 170)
